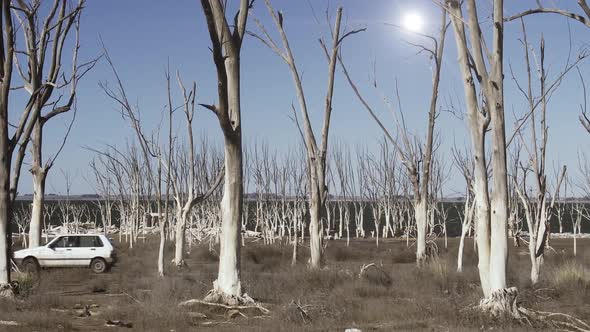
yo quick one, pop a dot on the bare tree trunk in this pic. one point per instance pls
(420, 214)
(492, 229)
(35, 227)
(315, 235)
(295, 244)
(161, 223)
(226, 45)
(5, 231)
(228, 277)
(180, 237)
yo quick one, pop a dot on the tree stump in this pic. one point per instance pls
(502, 303)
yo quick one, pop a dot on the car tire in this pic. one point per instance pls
(30, 265)
(98, 265)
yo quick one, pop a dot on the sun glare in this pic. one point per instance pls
(413, 22)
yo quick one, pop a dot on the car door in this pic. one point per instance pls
(87, 250)
(59, 253)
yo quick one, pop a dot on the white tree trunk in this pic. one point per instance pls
(315, 235)
(575, 242)
(228, 278)
(460, 252)
(180, 238)
(420, 213)
(162, 247)
(35, 228)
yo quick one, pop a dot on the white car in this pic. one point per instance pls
(71, 250)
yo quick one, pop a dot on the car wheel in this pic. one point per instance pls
(30, 265)
(98, 265)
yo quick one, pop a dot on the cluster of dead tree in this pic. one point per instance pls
(190, 190)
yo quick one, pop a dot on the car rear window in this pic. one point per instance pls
(90, 241)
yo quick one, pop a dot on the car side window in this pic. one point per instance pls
(67, 242)
(90, 241)
(61, 243)
(98, 242)
(73, 241)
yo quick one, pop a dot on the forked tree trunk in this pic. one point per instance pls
(226, 45)
(492, 229)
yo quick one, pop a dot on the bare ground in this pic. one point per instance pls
(396, 296)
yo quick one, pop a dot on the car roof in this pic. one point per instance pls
(80, 235)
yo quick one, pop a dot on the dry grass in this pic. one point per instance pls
(398, 296)
(571, 275)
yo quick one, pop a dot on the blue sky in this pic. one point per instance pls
(143, 36)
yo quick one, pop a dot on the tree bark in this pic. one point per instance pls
(315, 235)
(180, 237)
(226, 47)
(39, 176)
(420, 214)
(35, 227)
(5, 210)
(228, 277)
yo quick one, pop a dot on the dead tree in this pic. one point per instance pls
(65, 204)
(577, 212)
(415, 156)
(226, 45)
(316, 151)
(339, 155)
(538, 209)
(43, 56)
(190, 187)
(359, 188)
(583, 18)
(488, 77)
(16, 136)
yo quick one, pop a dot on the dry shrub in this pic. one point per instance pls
(571, 275)
(25, 284)
(437, 270)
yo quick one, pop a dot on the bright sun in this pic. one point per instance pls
(413, 22)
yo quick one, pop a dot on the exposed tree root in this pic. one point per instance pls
(504, 303)
(217, 296)
(559, 321)
(251, 305)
